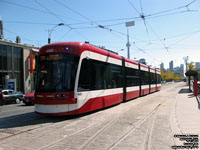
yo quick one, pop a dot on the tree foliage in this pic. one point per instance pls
(170, 76)
(191, 66)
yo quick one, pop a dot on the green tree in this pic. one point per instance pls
(163, 75)
(191, 66)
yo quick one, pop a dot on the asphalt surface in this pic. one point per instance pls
(151, 122)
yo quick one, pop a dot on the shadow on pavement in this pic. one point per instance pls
(191, 95)
(28, 119)
(182, 91)
(31, 118)
(198, 101)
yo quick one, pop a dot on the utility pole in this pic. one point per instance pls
(128, 45)
(186, 59)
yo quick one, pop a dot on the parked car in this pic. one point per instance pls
(28, 99)
(9, 96)
(19, 96)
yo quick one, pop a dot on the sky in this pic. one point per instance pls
(163, 31)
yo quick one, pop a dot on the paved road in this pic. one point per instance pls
(144, 123)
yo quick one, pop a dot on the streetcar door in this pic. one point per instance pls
(124, 79)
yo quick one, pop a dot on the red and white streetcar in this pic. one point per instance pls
(74, 78)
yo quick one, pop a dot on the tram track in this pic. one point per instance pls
(133, 129)
(33, 120)
(92, 130)
(103, 124)
(147, 143)
(108, 124)
(125, 135)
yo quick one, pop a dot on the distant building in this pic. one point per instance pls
(162, 66)
(197, 64)
(182, 69)
(171, 66)
(142, 61)
(179, 70)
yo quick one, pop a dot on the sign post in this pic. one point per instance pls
(11, 84)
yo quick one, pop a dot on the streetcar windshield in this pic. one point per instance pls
(56, 72)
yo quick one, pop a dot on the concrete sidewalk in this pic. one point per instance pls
(187, 112)
(185, 119)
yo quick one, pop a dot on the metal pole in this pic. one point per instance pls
(128, 44)
(128, 24)
(49, 38)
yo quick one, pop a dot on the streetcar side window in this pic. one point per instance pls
(153, 78)
(116, 76)
(158, 78)
(132, 77)
(84, 78)
(106, 76)
(97, 75)
(144, 77)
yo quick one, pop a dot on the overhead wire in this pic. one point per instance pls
(23, 37)
(89, 27)
(74, 11)
(165, 47)
(14, 33)
(35, 9)
(169, 10)
(143, 16)
(149, 55)
(163, 43)
(51, 12)
(136, 18)
(91, 21)
(61, 20)
(150, 16)
(169, 14)
(181, 40)
(144, 19)
(32, 23)
(183, 34)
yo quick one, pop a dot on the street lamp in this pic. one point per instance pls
(128, 45)
(50, 31)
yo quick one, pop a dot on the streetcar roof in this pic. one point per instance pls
(79, 47)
